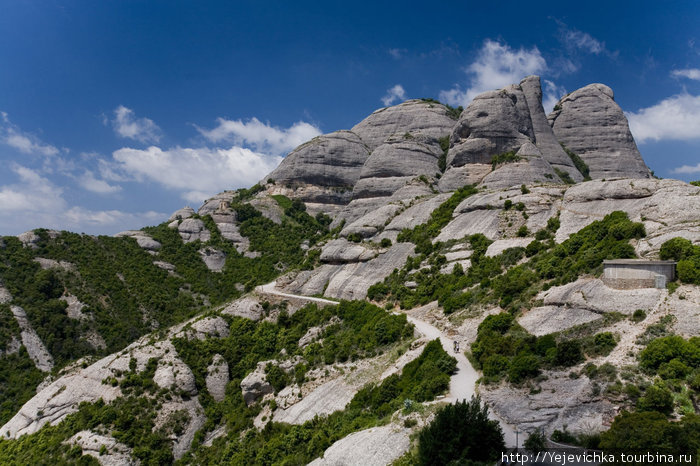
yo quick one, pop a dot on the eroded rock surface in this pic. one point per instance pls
(591, 124)
(376, 446)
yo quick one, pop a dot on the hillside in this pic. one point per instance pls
(487, 226)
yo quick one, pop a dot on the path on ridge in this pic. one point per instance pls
(462, 383)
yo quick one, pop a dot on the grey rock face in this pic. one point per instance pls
(544, 137)
(343, 251)
(173, 373)
(413, 116)
(246, 307)
(495, 122)
(218, 203)
(590, 123)
(143, 240)
(31, 341)
(331, 161)
(371, 447)
(217, 378)
(193, 229)
(506, 120)
(214, 259)
(395, 163)
(255, 385)
(181, 214)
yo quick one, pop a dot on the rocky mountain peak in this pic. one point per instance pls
(590, 123)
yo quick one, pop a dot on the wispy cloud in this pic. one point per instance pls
(262, 137)
(34, 201)
(575, 40)
(690, 73)
(686, 170)
(26, 143)
(397, 53)
(126, 125)
(89, 182)
(195, 173)
(676, 117)
(393, 94)
(497, 65)
(551, 93)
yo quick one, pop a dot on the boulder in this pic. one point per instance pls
(591, 124)
(247, 307)
(372, 222)
(172, 373)
(181, 214)
(417, 117)
(255, 385)
(341, 251)
(217, 378)
(105, 448)
(193, 229)
(214, 259)
(142, 239)
(218, 203)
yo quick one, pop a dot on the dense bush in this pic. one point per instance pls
(651, 432)
(461, 433)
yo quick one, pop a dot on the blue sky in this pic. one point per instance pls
(114, 113)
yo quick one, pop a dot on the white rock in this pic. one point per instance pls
(376, 446)
(217, 378)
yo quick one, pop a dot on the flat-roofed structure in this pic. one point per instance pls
(627, 274)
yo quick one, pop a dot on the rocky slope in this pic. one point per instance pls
(394, 171)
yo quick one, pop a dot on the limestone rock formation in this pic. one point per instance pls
(413, 116)
(104, 448)
(35, 347)
(397, 162)
(507, 120)
(193, 229)
(181, 214)
(331, 162)
(142, 238)
(376, 446)
(246, 307)
(214, 259)
(591, 124)
(342, 251)
(217, 377)
(255, 385)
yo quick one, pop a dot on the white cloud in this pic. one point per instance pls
(690, 73)
(126, 125)
(196, 173)
(397, 53)
(11, 135)
(677, 117)
(583, 41)
(34, 201)
(497, 65)
(686, 169)
(33, 193)
(88, 181)
(551, 93)
(396, 93)
(261, 136)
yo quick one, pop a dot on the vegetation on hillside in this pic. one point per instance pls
(125, 294)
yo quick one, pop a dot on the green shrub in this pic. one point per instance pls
(569, 353)
(506, 157)
(523, 231)
(536, 442)
(461, 433)
(656, 398)
(638, 315)
(385, 242)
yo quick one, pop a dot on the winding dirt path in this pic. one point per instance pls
(462, 383)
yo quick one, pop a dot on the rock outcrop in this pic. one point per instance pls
(371, 447)
(417, 117)
(193, 229)
(509, 120)
(331, 163)
(31, 341)
(591, 124)
(143, 240)
(217, 378)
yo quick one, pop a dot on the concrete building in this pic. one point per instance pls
(627, 274)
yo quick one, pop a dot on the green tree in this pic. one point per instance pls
(462, 433)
